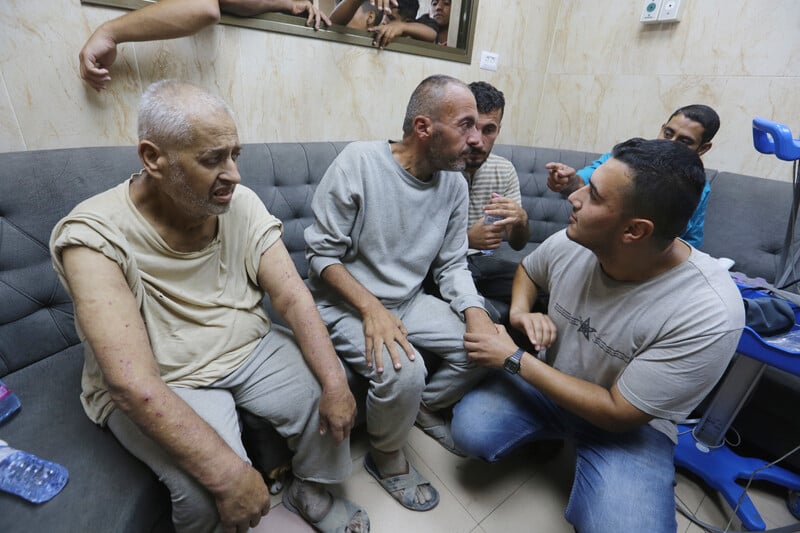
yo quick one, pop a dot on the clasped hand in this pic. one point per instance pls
(491, 350)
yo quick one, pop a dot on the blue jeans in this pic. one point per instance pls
(623, 481)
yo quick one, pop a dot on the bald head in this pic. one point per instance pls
(168, 109)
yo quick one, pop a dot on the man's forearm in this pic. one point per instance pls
(166, 19)
(419, 31)
(249, 8)
(312, 336)
(478, 320)
(349, 288)
(519, 234)
(179, 430)
(604, 408)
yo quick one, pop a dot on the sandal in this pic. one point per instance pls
(403, 487)
(438, 429)
(336, 520)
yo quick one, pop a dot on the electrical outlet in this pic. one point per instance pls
(650, 11)
(670, 11)
(489, 60)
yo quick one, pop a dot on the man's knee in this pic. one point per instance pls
(623, 491)
(408, 381)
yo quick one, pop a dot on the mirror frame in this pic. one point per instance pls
(293, 25)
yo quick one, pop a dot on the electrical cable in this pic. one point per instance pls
(684, 509)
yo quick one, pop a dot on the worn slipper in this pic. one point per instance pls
(336, 520)
(437, 428)
(403, 487)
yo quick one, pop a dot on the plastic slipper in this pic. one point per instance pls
(437, 428)
(336, 520)
(403, 487)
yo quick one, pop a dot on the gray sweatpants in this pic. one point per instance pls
(393, 398)
(275, 384)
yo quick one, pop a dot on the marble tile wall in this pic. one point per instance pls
(610, 77)
(576, 75)
(282, 88)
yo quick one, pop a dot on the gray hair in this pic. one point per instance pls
(426, 100)
(166, 110)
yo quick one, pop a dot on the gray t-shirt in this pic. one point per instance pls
(665, 341)
(388, 228)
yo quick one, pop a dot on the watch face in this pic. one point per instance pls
(511, 365)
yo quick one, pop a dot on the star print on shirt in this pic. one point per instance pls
(586, 329)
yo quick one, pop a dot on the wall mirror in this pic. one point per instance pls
(463, 16)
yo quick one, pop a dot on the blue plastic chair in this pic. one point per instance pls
(702, 449)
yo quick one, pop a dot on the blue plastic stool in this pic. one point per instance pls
(702, 449)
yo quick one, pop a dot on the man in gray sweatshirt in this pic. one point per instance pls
(386, 213)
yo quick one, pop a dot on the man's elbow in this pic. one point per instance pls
(132, 394)
(209, 14)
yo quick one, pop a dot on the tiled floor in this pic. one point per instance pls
(508, 497)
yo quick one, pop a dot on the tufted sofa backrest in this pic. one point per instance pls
(37, 188)
(746, 221)
(547, 211)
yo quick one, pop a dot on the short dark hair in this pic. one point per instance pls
(488, 97)
(703, 115)
(427, 99)
(408, 9)
(666, 184)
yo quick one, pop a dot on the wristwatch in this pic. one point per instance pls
(511, 364)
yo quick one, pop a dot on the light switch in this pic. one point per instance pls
(489, 60)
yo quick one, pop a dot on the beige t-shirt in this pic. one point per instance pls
(202, 309)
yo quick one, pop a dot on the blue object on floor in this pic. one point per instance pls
(702, 450)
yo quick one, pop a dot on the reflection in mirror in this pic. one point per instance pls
(458, 47)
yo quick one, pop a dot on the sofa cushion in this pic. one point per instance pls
(108, 490)
(746, 221)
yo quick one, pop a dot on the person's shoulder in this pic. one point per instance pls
(105, 203)
(499, 160)
(559, 244)
(245, 198)
(365, 146)
(715, 278)
(495, 165)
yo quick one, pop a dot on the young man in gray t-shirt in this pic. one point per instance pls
(640, 327)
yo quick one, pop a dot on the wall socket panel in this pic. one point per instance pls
(489, 60)
(670, 11)
(657, 11)
(650, 11)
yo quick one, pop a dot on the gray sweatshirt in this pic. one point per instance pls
(388, 229)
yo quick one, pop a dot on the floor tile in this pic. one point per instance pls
(478, 486)
(541, 500)
(770, 500)
(283, 520)
(513, 495)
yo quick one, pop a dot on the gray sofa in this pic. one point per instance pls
(41, 357)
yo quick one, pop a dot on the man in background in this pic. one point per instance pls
(693, 125)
